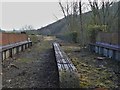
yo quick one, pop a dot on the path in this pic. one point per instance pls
(34, 68)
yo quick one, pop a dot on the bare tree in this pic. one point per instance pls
(102, 14)
(66, 10)
(27, 27)
(81, 23)
(70, 12)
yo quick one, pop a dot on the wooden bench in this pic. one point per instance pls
(12, 49)
(107, 51)
(68, 75)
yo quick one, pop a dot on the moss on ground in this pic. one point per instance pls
(69, 79)
(92, 72)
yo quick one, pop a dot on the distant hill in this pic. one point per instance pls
(59, 27)
(54, 28)
(2, 30)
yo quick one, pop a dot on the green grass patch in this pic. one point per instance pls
(25, 60)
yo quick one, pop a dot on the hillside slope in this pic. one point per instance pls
(59, 27)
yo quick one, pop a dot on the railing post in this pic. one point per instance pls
(10, 51)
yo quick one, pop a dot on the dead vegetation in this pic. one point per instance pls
(35, 67)
(94, 71)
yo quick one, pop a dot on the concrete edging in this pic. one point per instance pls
(68, 76)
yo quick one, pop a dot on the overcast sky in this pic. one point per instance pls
(38, 13)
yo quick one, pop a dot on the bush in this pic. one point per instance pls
(93, 31)
(69, 37)
(74, 36)
(33, 38)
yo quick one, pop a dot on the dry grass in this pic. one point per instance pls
(49, 38)
(92, 72)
